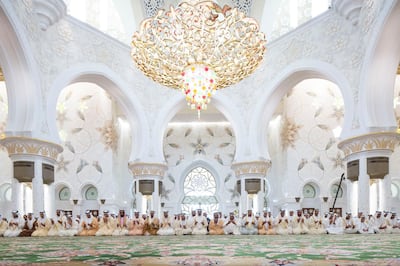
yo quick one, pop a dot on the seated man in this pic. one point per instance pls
(231, 225)
(70, 227)
(166, 226)
(29, 225)
(266, 224)
(282, 223)
(316, 225)
(57, 224)
(89, 225)
(15, 225)
(300, 224)
(364, 227)
(199, 224)
(122, 224)
(182, 227)
(3, 225)
(105, 225)
(152, 224)
(249, 224)
(136, 225)
(335, 225)
(349, 225)
(216, 226)
(43, 225)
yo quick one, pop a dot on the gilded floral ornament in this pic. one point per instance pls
(289, 132)
(109, 135)
(251, 168)
(370, 142)
(29, 146)
(147, 169)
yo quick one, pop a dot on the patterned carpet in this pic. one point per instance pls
(203, 250)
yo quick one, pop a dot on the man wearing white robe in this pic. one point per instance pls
(166, 228)
(335, 224)
(15, 225)
(70, 227)
(57, 224)
(199, 224)
(249, 224)
(379, 223)
(316, 226)
(3, 225)
(282, 223)
(349, 224)
(392, 224)
(363, 226)
(231, 225)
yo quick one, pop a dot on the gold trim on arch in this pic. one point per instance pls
(398, 70)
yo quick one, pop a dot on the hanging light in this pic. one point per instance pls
(198, 47)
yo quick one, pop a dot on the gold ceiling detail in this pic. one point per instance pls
(398, 70)
(198, 47)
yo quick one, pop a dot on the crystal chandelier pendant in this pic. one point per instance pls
(198, 84)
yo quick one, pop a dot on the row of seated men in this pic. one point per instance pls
(197, 224)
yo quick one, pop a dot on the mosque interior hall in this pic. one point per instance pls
(123, 108)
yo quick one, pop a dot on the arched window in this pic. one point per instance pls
(91, 193)
(334, 190)
(64, 194)
(199, 188)
(309, 191)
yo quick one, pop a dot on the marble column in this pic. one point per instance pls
(251, 170)
(38, 188)
(363, 187)
(148, 171)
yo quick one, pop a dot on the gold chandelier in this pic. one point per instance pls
(198, 47)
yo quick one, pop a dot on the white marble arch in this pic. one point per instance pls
(285, 81)
(104, 77)
(21, 74)
(221, 102)
(378, 73)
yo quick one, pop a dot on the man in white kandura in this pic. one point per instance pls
(15, 225)
(249, 224)
(199, 224)
(166, 228)
(232, 225)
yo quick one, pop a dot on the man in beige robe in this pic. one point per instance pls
(89, 225)
(43, 225)
(105, 225)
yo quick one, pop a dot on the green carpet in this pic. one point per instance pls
(204, 250)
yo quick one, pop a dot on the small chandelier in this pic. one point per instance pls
(198, 47)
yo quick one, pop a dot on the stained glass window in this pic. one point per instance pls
(65, 193)
(199, 188)
(91, 193)
(309, 191)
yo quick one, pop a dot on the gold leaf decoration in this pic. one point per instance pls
(87, 97)
(169, 132)
(289, 132)
(81, 115)
(228, 131)
(109, 135)
(324, 127)
(223, 145)
(174, 145)
(188, 131)
(76, 130)
(210, 132)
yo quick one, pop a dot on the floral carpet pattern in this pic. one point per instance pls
(203, 250)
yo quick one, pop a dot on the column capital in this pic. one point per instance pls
(18, 147)
(251, 168)
(143, 170)
(379, 141)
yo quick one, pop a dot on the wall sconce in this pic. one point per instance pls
(237, 203)
(325, 199)
(162, 204)
(297, 199)
(103, 201)
(75, 201)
